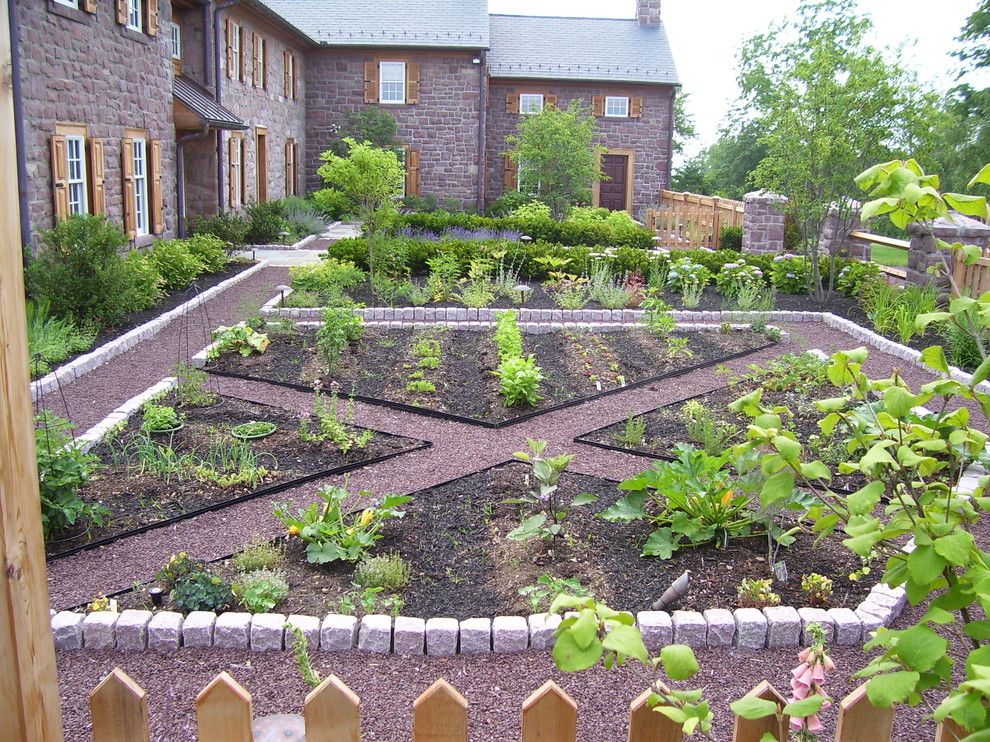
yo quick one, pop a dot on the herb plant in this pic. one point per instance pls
(332, 428)
(253, 430)
(753, 593)
(387, 571)
(258, 554)
(201, 590)
(519, 376)
(633, 433)
(160, 418)
(261, 590)
(340, 327)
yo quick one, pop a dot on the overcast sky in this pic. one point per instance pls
(706, 36)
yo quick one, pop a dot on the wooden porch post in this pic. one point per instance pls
(29, 701)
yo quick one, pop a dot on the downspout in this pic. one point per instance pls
(217, 94)
(15, 73)
(482, 126)
(180, 179)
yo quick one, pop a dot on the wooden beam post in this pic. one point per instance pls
(29, 704)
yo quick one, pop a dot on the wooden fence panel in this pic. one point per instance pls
(119, 707)
(223, 711)
(861, 721)
(949, 731)
(972, 280)
(549, 715)
(333, 713)
(440, 715)
(687, 220)
(752, 730)
(646, 725)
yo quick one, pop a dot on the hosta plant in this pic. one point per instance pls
(332, 532)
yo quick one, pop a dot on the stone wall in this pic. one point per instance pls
(648, 136)
(442, 125)
(283, 117)
(834, 237)
(197, 46)
(83, 68)
(763, 222)
(924, 253)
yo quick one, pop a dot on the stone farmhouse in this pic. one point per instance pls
(157, 111)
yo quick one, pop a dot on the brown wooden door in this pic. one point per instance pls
(612, 191)
(262, 164)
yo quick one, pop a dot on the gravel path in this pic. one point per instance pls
(388, 685)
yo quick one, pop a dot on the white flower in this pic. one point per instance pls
(791, 275)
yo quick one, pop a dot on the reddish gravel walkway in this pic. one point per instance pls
(496, 685)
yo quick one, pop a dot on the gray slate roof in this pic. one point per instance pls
(201, 102)
(559, 48)
(459, 24)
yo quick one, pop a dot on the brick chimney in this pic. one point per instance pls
(648, 12)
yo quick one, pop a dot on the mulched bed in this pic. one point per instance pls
(137, 499)
(168, 302)
(463, 565)
(576, 365)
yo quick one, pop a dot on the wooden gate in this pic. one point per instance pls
(686, 220)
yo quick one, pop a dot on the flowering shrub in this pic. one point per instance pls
(686, 274)
(789, 274)
(854, 277)
(737, 277)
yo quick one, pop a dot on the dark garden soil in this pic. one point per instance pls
(136, 496)
(168, 302)
(454, 537)
(575, 365)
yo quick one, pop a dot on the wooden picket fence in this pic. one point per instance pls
(686, 220)
(974, 279)
(332, 713)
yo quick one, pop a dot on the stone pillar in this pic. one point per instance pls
(648, 12)
(924, 252)
(844, 224)
(763, 222)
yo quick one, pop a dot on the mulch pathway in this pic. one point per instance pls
(388, 685)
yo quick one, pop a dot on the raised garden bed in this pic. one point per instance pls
(454, 537)
(140, 496)
(577, 364)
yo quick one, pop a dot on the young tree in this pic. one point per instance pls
(371, 177)
(558, 154)
(829, 104)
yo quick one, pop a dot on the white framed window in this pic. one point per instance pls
(236, 51)
(237, 172)
(530, 102)
(141, 186)
(135, 15)
(69, 3)
(176, 41)
(261, 59)
(616, 107)
(75, 155)
(392, 82)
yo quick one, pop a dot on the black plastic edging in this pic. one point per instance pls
(264, 492)
(402, 407)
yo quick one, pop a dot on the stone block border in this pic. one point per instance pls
(122, 414)
(96, 358)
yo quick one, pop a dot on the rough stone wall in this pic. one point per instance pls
(442, 125)
(924, 253)
(200, 157)
(194, 53)
(834, 236)
(83, 68)
(648, 12)
(648, 136)
(284, 118)
(763, 222)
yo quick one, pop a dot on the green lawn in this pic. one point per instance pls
(891, 256)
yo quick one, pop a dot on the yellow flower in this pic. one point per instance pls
(367, 516)
(726, 498)
(293, 530)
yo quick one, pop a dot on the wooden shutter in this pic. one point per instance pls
(598, 105)
(255, 59)
(151, 17)
(636, 107)
(295, 167)
(127, 171)
(412, 82)
(295, 77)
(264, 60)
(549, 100)
(512, 102)
(97, 172)
(60, 176)
(230, 48)
(157, 196)
(371, 82)
(122, 12)
(242, 44)
(233, 163)
(511, 174)
(290, 177)
(89, 6)
(412, 172)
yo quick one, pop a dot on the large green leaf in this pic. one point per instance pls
(751, 707)
(626, 508)
(805, 707)
(530, 528)
(955, 548)
(886, 690)
(627, 640)
(863, 500)
(661, 543)
(777, 488)
(966, 204)
(919, 648)
(569, 657)
(981, 177)
(678, 661)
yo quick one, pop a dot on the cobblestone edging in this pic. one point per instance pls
(743, 628)
(96, 358)
(122, 414)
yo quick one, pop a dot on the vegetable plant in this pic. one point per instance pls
(340, 327)
(339, 431)
(333, 533)
(63, 469)
(160, 418)
(547, 587)
(237, 339)
(519, 376)
(253, 430)
(261, 590)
